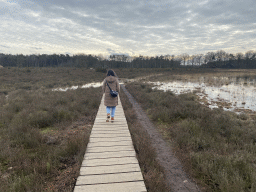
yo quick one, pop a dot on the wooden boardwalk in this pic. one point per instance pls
(110, 162)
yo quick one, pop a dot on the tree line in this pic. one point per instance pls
(218, 59)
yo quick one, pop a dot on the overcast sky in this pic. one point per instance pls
(146, 27)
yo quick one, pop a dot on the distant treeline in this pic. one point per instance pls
(218, 59)
(82, 60)
(221, 59)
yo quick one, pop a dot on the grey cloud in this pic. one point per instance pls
(219, 11)
(37, 48)
(5, 46)
(131, 26)
(111, 51)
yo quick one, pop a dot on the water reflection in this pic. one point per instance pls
(230, 93)
(98, 84)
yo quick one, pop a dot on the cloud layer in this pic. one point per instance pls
(147, 27)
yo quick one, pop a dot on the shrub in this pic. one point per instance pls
(62, 115)
(225, 173)
(22, 134)
(40, 119)
(30, 139)
(74, 145)
(101, 70)
(22, 183)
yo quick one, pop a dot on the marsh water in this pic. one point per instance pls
(96, 84)
(230, 93)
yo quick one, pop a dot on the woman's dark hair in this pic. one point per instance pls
(110, 73)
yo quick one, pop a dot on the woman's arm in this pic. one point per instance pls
(104, 86)
(117, 86)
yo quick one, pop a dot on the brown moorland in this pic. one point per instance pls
(217, 148)
(44, 133)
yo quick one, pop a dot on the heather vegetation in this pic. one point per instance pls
(13, 78)
(217, 148)
(44, 133)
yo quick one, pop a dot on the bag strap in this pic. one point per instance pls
(108, 86)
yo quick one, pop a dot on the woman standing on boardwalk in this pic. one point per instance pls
(109, 101)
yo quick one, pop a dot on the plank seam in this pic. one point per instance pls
(110, 146)
(111, 165)
(101, 133)
(110, 173)
(120, 130)
(112, 182)
(109, 141)
(109, 137)
(110, 157)
(109, 151)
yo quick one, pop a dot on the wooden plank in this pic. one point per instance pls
(105, 155)
(107, 149)
(93, 140)
(113, 187)
(109, 162)
(109, 169)
(109, 178)
(109, 144)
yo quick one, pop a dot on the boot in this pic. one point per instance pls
(108, 117)
(112, 119)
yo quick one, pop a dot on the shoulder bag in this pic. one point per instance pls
(112, 92)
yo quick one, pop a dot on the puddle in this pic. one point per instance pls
(124, 80)
(88, 85)
(231, 96)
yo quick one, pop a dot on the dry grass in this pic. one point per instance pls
(217, 148)
(45, 78)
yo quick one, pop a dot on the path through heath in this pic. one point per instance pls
(176, 178)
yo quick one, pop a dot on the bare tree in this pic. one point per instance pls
(184, 57)
(250, 55)
(231, 56)
(101, 57)
(209, 57)
(193, 59)
(220, 55)
(239, 56)
(199, 58)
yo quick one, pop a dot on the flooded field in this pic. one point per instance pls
(233, 92)
(230, 93)
(97, 84)
(88, 85)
